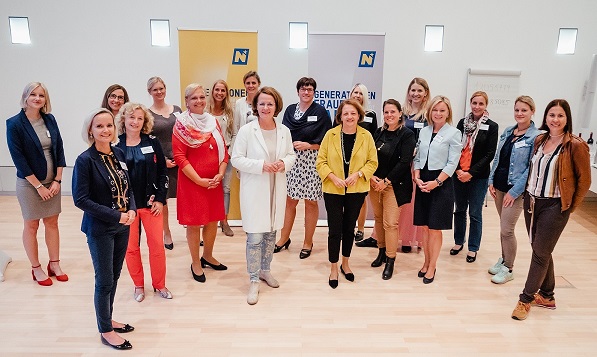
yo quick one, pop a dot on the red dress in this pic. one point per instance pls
(196, 205)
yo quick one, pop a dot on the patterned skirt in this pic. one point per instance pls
(302, 181)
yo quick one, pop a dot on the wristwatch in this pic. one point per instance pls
(360, 174)
(439, 182)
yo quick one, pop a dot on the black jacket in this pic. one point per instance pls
(483, 150)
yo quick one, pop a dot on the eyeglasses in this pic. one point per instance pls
(306, 90)
(118, 97)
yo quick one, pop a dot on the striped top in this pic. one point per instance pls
(543, 179)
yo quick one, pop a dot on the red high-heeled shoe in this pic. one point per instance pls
(46, 282)
(62, 277)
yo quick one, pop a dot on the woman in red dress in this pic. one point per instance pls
(200, 153)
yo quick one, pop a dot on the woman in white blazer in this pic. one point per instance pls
(263, 153)
(437, 157)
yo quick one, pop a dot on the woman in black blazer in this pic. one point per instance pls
(101, 188)
(36, 148)
(147, 170)
(391, 184)
(479, 141)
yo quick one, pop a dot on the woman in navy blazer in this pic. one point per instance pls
(36, 148)
(147, 170)
(101, 188)
(438, 152)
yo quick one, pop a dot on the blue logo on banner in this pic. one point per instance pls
(240, 56)
(367, 58)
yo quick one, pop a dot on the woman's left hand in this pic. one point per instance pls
(301, 145)
(157, 208)
(54, 188)
(428, 186)
(352, 179)
(464, 176)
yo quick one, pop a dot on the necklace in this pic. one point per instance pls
(518, 130)
(342, 145)
(556, 136)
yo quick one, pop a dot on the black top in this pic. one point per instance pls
(483, 150)
(311, 127)
(347, 143)
(370, 122)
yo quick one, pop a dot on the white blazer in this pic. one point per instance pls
(248, 156)
(443, 153)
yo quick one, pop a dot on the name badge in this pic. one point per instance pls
(484, 127)
(419, 125)
(312, 118)
(520, 144)
(368, 120)
(147, 150)
(123, 165)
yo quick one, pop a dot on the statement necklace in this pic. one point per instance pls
(342, 145)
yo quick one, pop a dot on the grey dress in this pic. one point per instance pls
(162, 129)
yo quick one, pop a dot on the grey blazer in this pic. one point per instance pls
(443, 153)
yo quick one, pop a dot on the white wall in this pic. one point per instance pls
(80, 47)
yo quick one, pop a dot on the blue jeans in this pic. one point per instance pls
(469, 195)
(107, 253)
(260, 251)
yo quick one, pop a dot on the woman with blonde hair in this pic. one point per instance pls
(147, 171)
(37, 151)
(220, 107)
(163, 123)
(438, 152)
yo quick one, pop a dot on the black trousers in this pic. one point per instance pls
(545, 222)
(343, 211)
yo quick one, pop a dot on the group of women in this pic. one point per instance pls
(406, 166)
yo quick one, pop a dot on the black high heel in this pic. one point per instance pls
(126, 345)
(278, 248)
(199, 278)
(205, 263)
(169, 246)
(305, 253)
(348, 276)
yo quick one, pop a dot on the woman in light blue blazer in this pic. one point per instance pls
(437, 157)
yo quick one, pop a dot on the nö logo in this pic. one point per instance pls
(240, 56)
(367, 58)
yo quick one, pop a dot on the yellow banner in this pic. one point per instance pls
(206, 56)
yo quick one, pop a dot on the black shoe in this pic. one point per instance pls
(278, 248)
(333, 283)
(124, 329)
(427, 280)
(199, 278)
(201, 244)
(126, 345)
(169, 246)
(406, 249)
(456, 251)
(359, 235)
(369, 242)
(381, 258)
(420, 274)
(348, 276)
(388, 271)
(205, 263)
(305, 253)
(471, 259)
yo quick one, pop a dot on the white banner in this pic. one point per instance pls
(338, 61)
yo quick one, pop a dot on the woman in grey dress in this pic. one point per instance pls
(164, 119)
(36, 149)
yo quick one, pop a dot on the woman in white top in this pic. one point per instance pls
(263, 152)
(220, 107)
(243, 112)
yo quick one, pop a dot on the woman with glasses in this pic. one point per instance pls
(114, 98)
(164, 119)
(308, 122)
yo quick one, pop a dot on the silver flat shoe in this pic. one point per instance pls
(139, 293)
(164, 293)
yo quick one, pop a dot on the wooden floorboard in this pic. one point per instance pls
(461, 313)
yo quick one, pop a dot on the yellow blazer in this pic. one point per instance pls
(363, 158)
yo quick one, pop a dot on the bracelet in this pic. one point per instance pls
(59, 181)
(38, 186)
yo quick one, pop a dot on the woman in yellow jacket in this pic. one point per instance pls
(346, 161)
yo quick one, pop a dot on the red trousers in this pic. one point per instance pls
(153, 226)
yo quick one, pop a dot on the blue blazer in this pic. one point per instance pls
(92, 192)
(443, 153)
(25, 147)
(155, 173)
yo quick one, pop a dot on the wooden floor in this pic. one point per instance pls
(462, 313)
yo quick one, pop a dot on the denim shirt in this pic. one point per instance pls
(520, 158)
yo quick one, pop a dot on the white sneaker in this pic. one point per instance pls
(496, 267)
(269, 279)
(253, 295)
(503, 276)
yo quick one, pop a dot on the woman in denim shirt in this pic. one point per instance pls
(507, 181)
